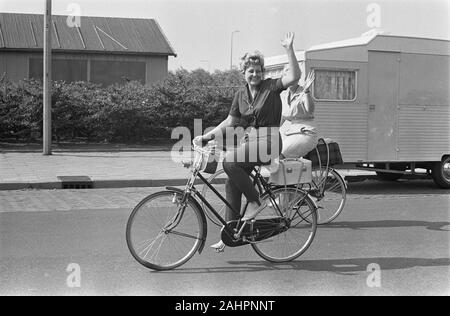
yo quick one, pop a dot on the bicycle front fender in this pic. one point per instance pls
(200, 209)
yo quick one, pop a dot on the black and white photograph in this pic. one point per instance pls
(226, 154)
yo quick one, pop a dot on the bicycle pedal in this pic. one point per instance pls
(220, 250)
(219, 247)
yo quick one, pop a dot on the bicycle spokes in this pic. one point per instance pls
(295, 230)
(161, 236)
(163, 232)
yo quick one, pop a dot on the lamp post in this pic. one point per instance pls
(207, 62)
(231, 55)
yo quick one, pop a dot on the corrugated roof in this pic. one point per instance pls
(95, 34)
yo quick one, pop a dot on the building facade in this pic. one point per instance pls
(101, 50)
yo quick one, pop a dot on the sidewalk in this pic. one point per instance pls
(113, 169)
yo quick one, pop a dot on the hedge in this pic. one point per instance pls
(129, 112)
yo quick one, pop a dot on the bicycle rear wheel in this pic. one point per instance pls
(162, 234)
(329, 193)
(297, 207)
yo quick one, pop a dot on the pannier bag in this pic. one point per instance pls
(291, 171)
(325, 148)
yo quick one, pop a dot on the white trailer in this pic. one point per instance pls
(385, 100)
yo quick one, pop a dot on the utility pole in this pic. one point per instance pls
(231, 55)
(47, 80)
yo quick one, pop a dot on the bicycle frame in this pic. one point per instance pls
(258, 179)
(190, 190)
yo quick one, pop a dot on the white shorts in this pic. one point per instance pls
(295, 142)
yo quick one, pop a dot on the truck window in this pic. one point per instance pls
(334, 85)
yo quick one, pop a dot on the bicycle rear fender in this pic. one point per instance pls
(343, 180)
(293, 187)
(195, 202)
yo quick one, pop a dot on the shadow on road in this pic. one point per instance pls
(417, 187)
(349, 266)
(352, 265)
(437, 226)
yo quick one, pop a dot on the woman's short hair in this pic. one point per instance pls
(254, 58)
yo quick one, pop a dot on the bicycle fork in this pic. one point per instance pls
(182, 203)
(174, 221)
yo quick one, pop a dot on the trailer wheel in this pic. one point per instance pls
(441, 173)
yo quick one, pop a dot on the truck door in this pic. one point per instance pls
(383, 102)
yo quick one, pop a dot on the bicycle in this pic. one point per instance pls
(327, 187)
(167, 228)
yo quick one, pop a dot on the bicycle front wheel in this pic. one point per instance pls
(298, 209)
(163, 234)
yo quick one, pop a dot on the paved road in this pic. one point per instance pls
(401, 228)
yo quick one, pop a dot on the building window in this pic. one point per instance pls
(110, 72)
(68, 70)
(334, 85)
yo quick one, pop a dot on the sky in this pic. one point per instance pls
(200, 31)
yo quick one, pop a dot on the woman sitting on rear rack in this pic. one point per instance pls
(298, 130)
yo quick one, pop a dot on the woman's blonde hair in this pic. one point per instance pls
(254, 58)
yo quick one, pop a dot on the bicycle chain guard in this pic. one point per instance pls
(255, 231)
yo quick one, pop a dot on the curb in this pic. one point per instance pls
(85, 150)
(114, 184)
(100, 184)
(16, 148)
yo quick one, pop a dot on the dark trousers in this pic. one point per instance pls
(238, 165)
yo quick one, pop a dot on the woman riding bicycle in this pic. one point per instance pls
(257, 108)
